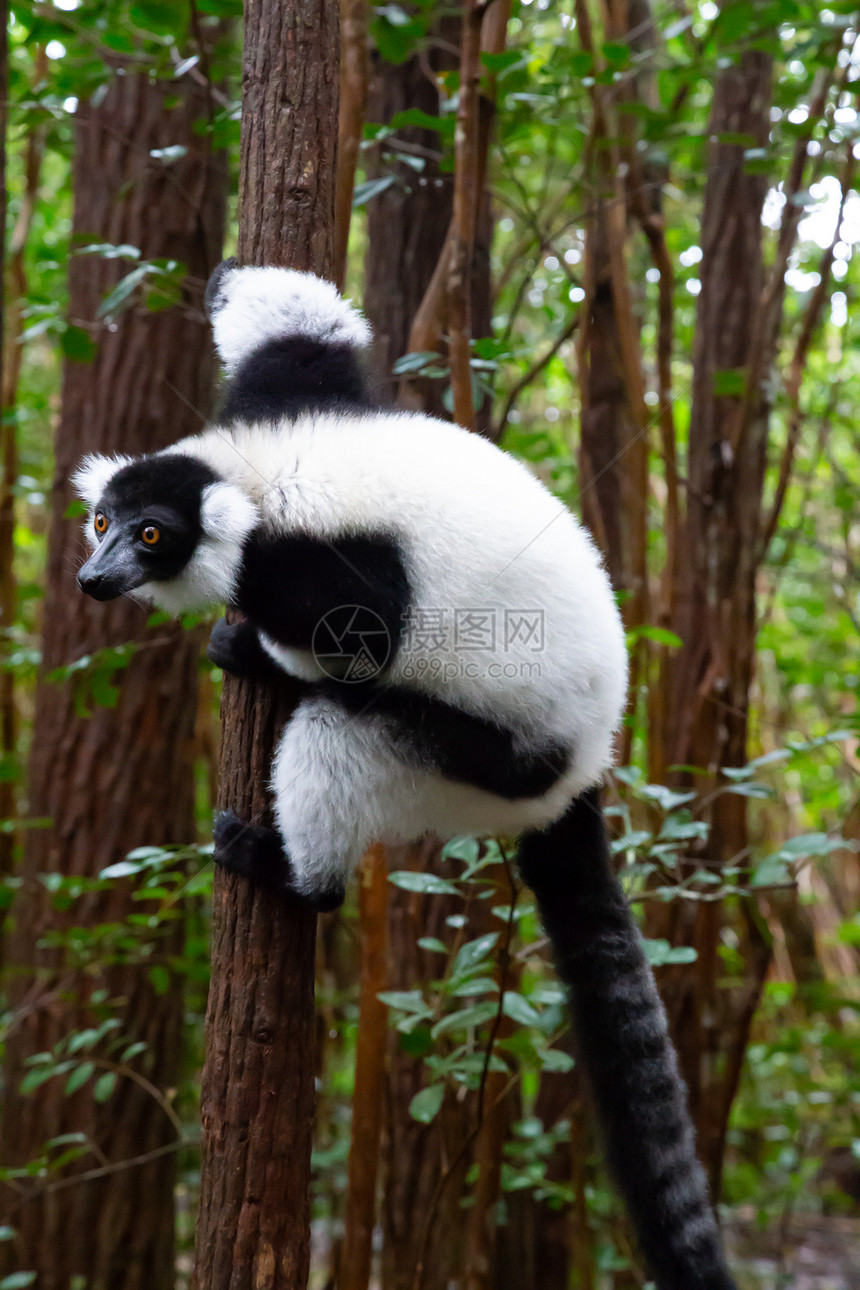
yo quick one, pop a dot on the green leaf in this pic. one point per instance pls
(433, 944)
(519, 1009)
(475, 985)
(35, 1078)
(414, 361)
(425, 1106)
(122, 869)
(773, 871)
(473, 953)
(429, 883)
(660, 636)
(501, 62)
(104, 1086)
(159, 978)
(465, 1018)
(7, 1233)
(554, 1059)
(116, 299)
(79, 1077)
(406, 1000)
(659, 952)
(77, 345)
(665, 797)
(371, 188)
(17, 1280)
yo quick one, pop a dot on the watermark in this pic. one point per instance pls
(352, 643)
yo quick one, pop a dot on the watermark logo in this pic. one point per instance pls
(351, 643)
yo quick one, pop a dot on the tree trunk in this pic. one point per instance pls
(258, 1084)
(123, 776)
(707, 681)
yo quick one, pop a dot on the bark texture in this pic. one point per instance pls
(707, 681)
(371, 1042)
(258, 1084)
(123, 776)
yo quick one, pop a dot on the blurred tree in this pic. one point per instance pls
(120, 776)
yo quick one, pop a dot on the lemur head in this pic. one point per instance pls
(166, 527)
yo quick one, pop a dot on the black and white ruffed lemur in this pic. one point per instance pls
(332, 523)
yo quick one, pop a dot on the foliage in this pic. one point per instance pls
(491, 1006)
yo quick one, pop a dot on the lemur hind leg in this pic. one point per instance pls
(336, 784)
(257, 853)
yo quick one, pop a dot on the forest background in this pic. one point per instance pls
(632, 264)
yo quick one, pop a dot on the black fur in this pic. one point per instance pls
(622, 1037)
(236, 648)
(287, 377)
(257, 853)
(317, 578)
(172, 479)
(457, 744)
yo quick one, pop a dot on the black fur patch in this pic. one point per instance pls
(168, 479)
(623, 1042)
(257, 853)
(458, 745)
(293, 375)
(289, 585)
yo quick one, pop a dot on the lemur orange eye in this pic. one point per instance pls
(100, 523)
(150, 535)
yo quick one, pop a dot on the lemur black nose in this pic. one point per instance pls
(90, 582)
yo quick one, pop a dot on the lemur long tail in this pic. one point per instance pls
(289, 343)
(623, 1040)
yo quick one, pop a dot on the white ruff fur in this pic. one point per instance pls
(90, 481)
(209, 578)
(254, 306)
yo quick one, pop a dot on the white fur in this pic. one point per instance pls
(92, 478)
(254, 306)
(477, 531)
(228, 515)
(339, 786)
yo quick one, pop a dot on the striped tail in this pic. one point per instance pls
(289, 343)
(623, 1040)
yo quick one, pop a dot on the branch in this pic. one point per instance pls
(533, 372)
(353, 104)
(809, 326)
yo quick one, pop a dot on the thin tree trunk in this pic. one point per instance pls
(253, 1225)
(9, 467)
(707, 681)
(123, 776)
(353, 101)
(369, 1085)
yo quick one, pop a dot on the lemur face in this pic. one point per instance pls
(146, 525)
(166, 526)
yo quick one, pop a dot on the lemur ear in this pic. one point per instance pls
(226, 513)
(94, 474)
(216, 295)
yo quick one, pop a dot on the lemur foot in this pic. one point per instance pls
(257, 853)
(236, 648)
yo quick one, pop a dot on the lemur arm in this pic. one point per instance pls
(290, 583)
(236, 648)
